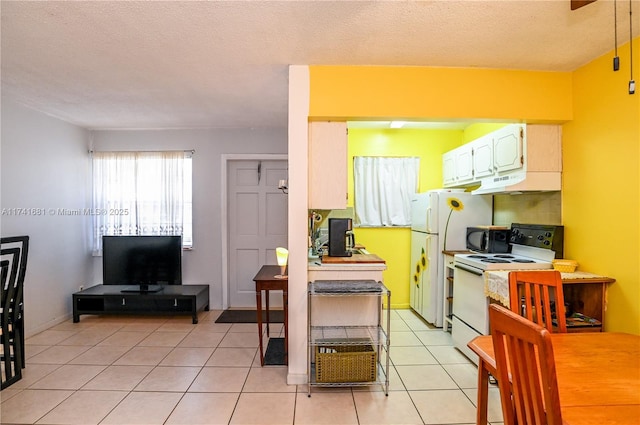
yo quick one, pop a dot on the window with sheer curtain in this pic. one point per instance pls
(142, 193)
(383, 189)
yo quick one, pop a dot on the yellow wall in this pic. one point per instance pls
(475, 131)
(393, 244)
(378, 92)
(601, 183)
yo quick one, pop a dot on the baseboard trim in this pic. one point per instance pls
(28, 333)
(296, 379)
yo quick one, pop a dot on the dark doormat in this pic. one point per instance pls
(275, 352)
(250, 316)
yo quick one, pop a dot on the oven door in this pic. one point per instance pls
(470, 304)
(470, 308)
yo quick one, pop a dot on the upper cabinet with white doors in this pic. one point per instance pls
(463, 164)
(516, 157)
(498, 152)
(449, 168)
(327, 165)
(457, 166)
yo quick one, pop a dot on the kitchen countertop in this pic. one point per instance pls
(317, 266)
(356, 261)
(452, 252)
(353, 259)
(496, 282)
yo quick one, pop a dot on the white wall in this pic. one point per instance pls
(44, 164)
(202, 265)
(298, 195)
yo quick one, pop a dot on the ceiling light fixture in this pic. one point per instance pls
(397, 124)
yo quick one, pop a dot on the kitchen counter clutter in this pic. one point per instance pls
(584, 294)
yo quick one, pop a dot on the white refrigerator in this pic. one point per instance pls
(430, 212)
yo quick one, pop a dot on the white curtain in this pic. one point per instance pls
(139, 193)
(383, 189)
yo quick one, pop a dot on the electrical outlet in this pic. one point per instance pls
(82, 287)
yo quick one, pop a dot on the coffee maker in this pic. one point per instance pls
(341, 237)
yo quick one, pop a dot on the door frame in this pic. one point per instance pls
(224, 225)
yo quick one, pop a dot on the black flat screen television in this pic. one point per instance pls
(143, 263)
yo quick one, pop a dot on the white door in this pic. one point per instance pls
(257, 212)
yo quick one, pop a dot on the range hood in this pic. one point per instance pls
(519, 182)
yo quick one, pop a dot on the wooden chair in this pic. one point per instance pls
(530, 294)
(524, 353)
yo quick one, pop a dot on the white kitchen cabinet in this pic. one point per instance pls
(516, 157)
(327, 165)
(540, 166)
(482, 157)
(464, 164)
(449, 168)
(457, 166)
(508, 145)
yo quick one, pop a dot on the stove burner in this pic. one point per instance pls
(523, 258)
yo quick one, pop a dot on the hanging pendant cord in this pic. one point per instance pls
(615, 26)
(630, 41)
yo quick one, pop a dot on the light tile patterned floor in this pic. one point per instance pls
(164, 370)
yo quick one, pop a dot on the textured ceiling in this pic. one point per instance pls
(185, 64)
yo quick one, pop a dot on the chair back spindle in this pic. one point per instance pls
(524, 353)
(531, 294)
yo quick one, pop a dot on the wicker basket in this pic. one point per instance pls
(565, 266)
(346, 363)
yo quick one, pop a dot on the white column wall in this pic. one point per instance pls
(298, 188)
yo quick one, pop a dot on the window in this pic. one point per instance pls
(383, 189)
(142, 193)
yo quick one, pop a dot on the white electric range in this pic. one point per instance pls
(533, 247)
(520, 258)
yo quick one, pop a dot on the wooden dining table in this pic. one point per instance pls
(598, 377)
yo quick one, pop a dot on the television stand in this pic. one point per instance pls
(141, 289)
(172, 299)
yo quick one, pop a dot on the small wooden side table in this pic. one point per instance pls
(266, 281)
